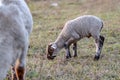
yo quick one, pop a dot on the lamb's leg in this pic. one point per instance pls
(67, 47)
(21, 63)
(14, 77)
(99, 45)
(20, 67)
(20, 70)
(75, 49)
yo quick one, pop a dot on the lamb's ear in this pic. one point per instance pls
(50, 48)
(54, 46)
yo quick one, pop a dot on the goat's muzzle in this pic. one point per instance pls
(50, 57)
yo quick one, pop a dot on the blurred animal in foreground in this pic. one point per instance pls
(15, 27)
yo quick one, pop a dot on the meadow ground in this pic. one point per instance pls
(49, 20)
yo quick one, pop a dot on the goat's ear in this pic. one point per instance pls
(50, 48)
(52, 45)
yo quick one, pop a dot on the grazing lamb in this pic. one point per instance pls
(15, 27)
(74, 30)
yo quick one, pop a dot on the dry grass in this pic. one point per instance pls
(48, 22)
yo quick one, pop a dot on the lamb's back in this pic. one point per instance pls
(84, 25)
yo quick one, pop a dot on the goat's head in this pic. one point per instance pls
(51, 51)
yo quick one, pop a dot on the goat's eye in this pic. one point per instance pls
(52, 49)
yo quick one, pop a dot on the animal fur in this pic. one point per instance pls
(15, 27)
(76, 29)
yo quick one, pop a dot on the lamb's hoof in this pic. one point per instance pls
(75, 56)
(96, 58)
(67, 57)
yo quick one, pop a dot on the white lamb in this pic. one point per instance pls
(15, 27)
(74, 30)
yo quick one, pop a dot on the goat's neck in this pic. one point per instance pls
(60, 42)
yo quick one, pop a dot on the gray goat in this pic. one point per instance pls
(74, 30)
(15, 27)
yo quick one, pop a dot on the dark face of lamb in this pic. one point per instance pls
(50, 52)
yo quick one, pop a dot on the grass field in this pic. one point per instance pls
(49, 21)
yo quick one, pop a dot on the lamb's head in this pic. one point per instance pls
(51, 51)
